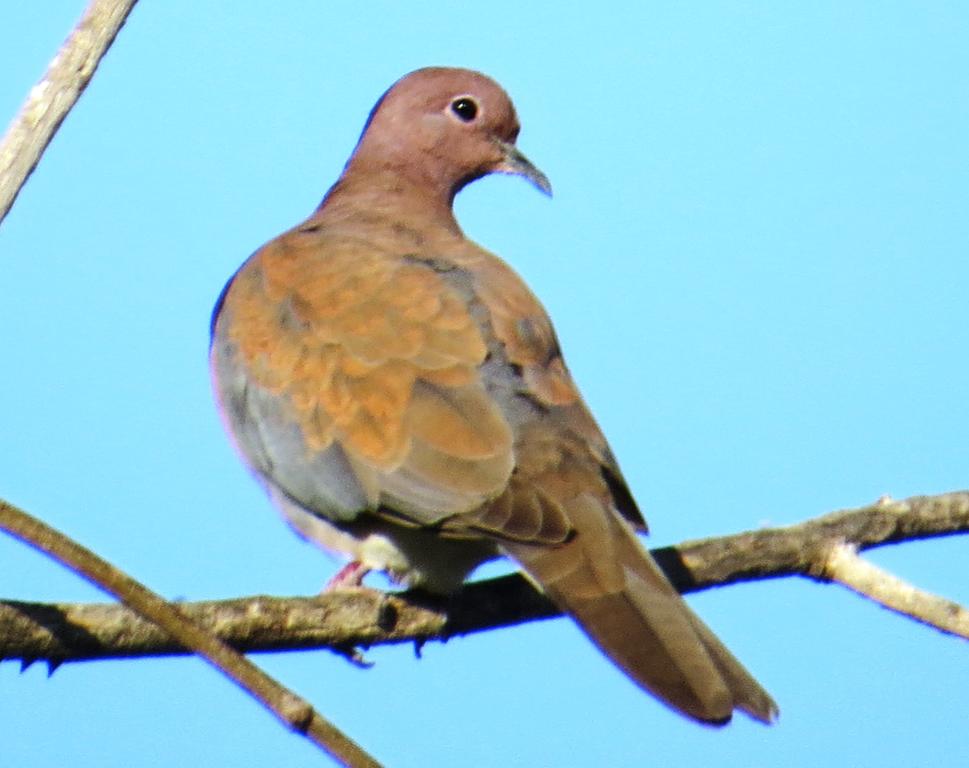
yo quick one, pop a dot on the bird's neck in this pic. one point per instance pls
(386, 192)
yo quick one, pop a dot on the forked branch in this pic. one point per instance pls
(58, 633)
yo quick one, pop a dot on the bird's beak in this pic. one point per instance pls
(516, 163)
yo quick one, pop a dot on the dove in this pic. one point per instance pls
(401, 395)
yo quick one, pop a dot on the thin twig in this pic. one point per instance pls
(53, 97)
(292, 710)
(341, 620)
(845, 567)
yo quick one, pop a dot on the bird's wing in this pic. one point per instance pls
(566, 481)
(350, 378)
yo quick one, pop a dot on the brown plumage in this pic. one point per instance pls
(401, 394)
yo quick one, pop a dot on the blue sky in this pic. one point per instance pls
(757, 259)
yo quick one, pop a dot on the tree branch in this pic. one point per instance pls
(868, 580)
(362, 617)
(294, 712)
(55, 95)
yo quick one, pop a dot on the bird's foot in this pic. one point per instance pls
(350, 576)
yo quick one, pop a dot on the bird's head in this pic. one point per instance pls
(445, 127)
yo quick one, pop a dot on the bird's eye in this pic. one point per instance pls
(465, 108)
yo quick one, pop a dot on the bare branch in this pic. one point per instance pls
(844, 566)
(55, 95)
(363, 617)
(294, 712)
(801, 549)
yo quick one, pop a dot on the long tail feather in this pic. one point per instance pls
(611, 586)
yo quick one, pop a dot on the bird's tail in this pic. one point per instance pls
(611, 586)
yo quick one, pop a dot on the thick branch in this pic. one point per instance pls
(53, 97)
(341, 620)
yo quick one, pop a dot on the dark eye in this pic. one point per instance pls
(465, 108)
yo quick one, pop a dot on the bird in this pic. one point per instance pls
(401, 395)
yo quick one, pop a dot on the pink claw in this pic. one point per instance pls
(349, 576)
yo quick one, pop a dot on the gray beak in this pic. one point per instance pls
(516, 163)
